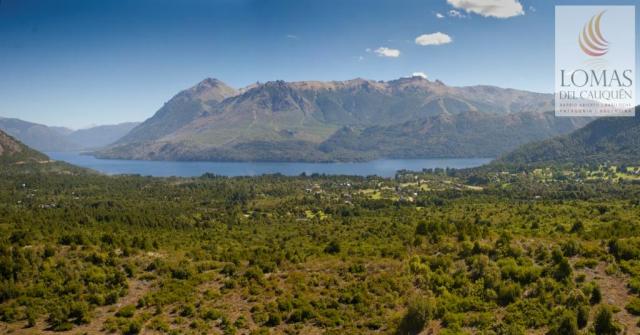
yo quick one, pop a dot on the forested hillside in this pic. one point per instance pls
(607, 140)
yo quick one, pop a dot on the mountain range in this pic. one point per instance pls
(50, 139)
(605, 140)
(340, 121)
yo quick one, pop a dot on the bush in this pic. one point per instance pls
(509, 329)
(132, 327)
(508, 293)
(582, 316)
(187, 311)
(126, 311)
(603, 323)
(181, 272)
(633, 306)
(596, 296)
(211, 314)
(422, 229)
(274, 319)
(634, 285)
(565, 324)
(420, 311)
(241, 322)
(58, 318)
(333, 247)
(228, 269)
(79, 311)
(562, 271)
(301, 315)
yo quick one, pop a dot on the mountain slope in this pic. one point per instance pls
(12, 151)
(100, 136)
(614, 139)
(37, 136)
(180, 110)
(291, 121)
(51, 139)
(467, 134)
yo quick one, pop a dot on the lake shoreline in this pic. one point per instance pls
(379, 167)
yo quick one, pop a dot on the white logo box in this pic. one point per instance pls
(595, 54)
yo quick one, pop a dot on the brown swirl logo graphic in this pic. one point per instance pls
(591, 40)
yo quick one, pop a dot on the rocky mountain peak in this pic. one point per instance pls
(210, 89)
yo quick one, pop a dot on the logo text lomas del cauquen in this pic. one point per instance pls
(595, 61)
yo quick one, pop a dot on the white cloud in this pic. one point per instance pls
(440, 16)
(419, 74)
(387, 52)
(433, 39)
(292, 37)
(495, 8)
(456, 13)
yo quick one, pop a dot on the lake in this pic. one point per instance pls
(381, 167)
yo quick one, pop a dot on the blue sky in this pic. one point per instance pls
(76, 62)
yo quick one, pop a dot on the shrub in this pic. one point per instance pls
(211, 314)
(509, 329)
(58, 318)
(596, 296)
(126, 311)
(132, 327)
(562, 271)
(333, 247)
(79, 311)
(187, 310)
(633, 306)
(582, 316)
(565, 324)
(603, 323)
(301, 315)
(229, 269)
(182, 271)
(420, 311)
(634, 285)
(241, 322)
(274, 319)
(422, 229)
(508, 293)
(254, 273)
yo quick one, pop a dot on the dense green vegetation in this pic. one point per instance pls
(465, 134)
(443, 135)
(450, 252)
(614, 139)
